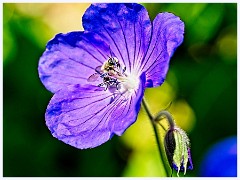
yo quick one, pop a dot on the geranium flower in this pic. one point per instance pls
(98, 76)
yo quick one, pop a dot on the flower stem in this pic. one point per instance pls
(152, 119)
(168, 116)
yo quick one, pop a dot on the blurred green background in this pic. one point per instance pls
(201, 84)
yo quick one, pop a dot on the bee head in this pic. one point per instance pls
(111, 61)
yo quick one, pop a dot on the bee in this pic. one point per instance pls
(109, 72)
(111, 66)
(109, 81)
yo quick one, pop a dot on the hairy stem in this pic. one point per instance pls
(152, 119)
(168, 117)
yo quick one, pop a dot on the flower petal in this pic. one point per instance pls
(125, 27)
(70, 59)
(167, 35)
(87, 116)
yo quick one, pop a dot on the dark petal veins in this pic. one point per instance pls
(167, 35)
(70, 59)
(86, 117)
(125, 27)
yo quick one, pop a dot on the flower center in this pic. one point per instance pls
(128, 83)
(114, 76)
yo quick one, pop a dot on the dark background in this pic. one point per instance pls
(202, 83)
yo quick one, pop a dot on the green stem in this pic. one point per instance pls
(168, 116)
(150, 116)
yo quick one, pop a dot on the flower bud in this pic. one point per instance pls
(177, 147)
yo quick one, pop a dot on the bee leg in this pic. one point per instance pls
(117, 87)
(106, 87)
(118, 66)
(101, 85)
(103, 75)
(124, 69)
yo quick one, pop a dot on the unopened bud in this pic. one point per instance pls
(177, 147)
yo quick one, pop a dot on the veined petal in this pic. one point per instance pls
(167, 35)
(70, 59)
(87, 116)
(125, 27)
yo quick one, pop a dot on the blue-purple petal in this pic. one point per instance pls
(88, 116)
(167, 35)
(70, 59)
(119, 124)
(190, 163)
(125, 27)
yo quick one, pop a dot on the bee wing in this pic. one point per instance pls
(93, 77)
(98, 69)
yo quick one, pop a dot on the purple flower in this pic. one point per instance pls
(220, 160)
(98, 76)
